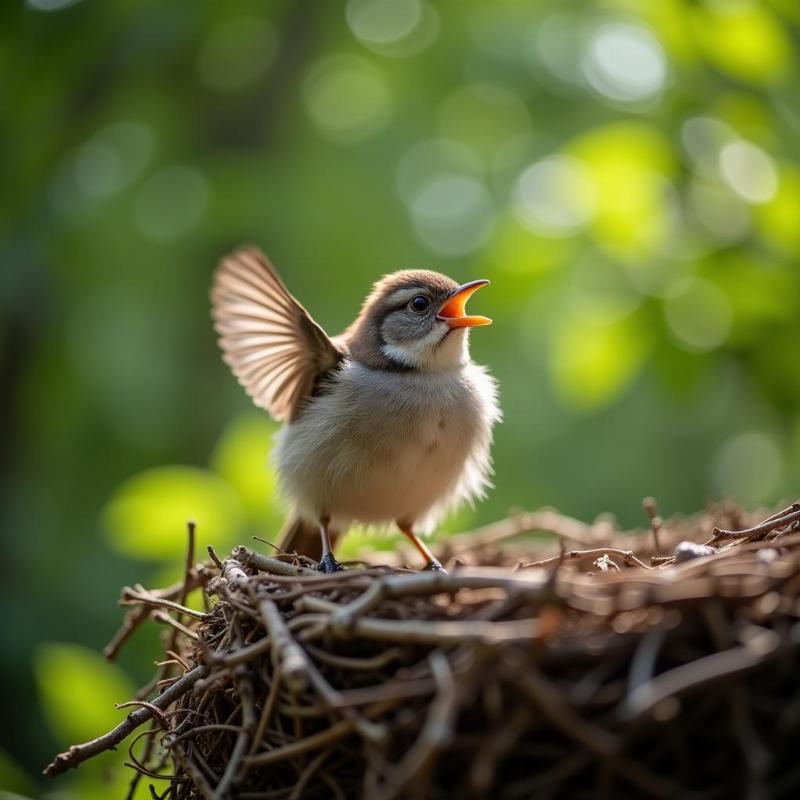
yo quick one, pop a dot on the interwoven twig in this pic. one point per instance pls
(586, 674)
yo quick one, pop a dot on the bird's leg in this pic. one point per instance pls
(327, 563)
(431, 562)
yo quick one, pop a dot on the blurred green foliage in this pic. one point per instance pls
(627, 173)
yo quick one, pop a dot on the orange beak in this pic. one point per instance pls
(452, 310)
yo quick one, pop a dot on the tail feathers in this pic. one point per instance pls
(302, 537)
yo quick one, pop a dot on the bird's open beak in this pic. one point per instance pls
(453, 309)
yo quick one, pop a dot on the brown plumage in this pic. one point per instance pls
(362, 338)
(390, 421)
(275, 349)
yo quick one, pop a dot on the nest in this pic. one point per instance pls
(661, 663)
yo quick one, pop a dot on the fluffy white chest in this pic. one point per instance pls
(383, 446)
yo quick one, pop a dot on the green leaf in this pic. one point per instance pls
(242, 458)
(146, 517)
(78, 689)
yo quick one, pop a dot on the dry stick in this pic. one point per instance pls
(431, 632)
(287, 656)
(266, 564)
(196, 776)
(162, 616)
(78, 753)
(171, 650)
(730, 552)
(688, 677)
(483, 767)
(266, 712)
(135, 618)
(414, 768)
(130, 598)
(754, 753)
(427, 583)
(211, 727)
(542, 693)
(374, 664)
(387, 694)
(545, 521)
(775, 521)
(244, 686)
(230, 575)
(627, 556)
(243, 655)
(596, 740)
(294, 664)
(308, 773)
(157, 713)
(651, 508)
(309, 744)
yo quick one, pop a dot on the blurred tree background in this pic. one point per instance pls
(627, 173)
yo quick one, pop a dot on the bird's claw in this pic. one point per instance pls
(328, 564)
(435, 566)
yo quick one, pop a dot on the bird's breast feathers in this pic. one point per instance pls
(379, 446)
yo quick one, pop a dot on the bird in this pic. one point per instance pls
(390, 422)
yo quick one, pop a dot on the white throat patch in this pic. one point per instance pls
(436, 351)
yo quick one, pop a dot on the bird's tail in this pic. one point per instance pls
(301, 536)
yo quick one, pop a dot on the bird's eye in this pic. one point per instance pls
(420, 303)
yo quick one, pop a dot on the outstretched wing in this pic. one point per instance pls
(275, 349)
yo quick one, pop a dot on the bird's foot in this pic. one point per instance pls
(328, 564)
(434, 565)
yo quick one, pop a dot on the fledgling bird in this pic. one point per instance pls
(391, 421)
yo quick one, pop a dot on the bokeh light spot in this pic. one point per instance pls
(171, 203)
(97, 169)
(749, 171)
(703, 138)
(112, 159)
(719, 211)
(383, 21)
(555, 196)
(346, 97)
(557, 45)
(394, 28)
(429, 158)
(747, 467)
(625, 62)
(453, 214)
(698, 314)
(51, 5)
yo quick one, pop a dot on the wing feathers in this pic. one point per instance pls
(275, 349)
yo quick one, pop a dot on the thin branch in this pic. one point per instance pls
(628, 557)
(79, 753)
(792, 514)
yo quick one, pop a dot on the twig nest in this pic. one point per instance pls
(613, 671)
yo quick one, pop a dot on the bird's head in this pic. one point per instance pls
(415, 319)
